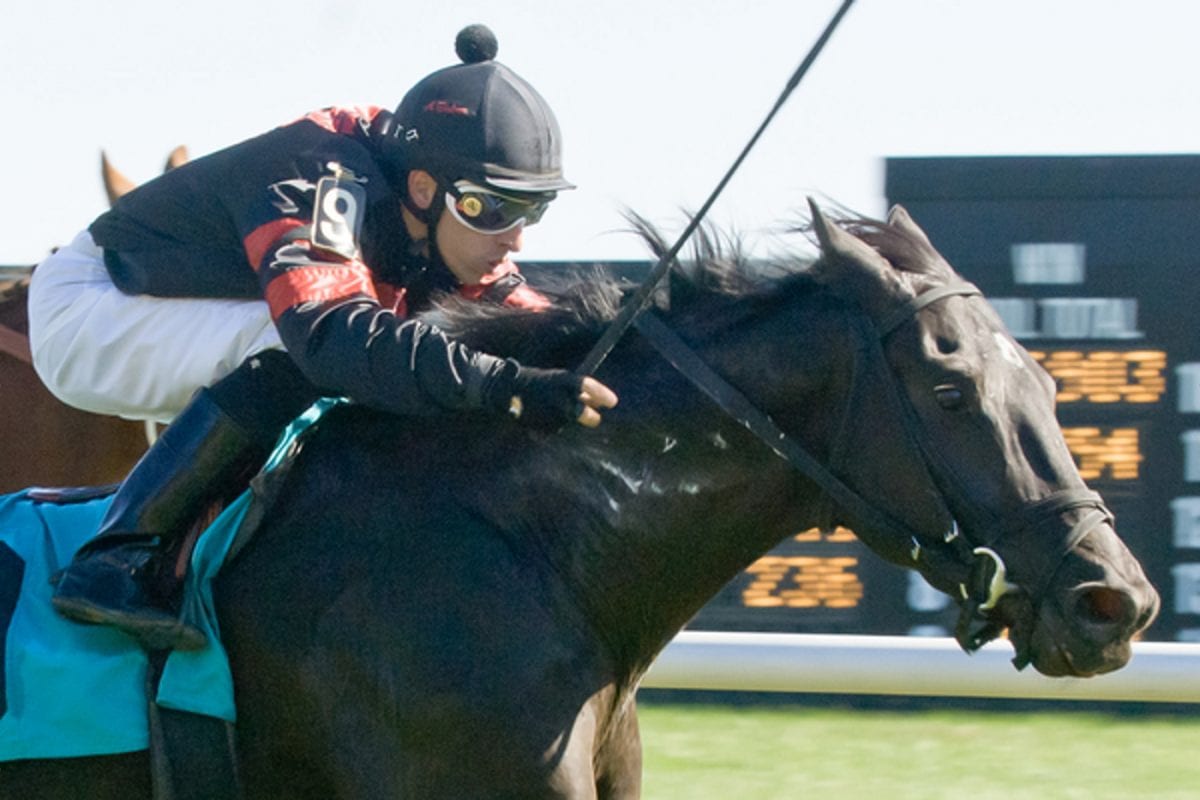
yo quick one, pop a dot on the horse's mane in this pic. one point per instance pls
(717, 275)
(715, 285)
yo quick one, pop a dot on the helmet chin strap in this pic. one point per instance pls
(428, 247)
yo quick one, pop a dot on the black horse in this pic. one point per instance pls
(463, 609)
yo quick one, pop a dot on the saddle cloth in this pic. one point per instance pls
(72, 690)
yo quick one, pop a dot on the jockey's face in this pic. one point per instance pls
(469, 254)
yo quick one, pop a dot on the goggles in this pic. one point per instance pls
(485, 211)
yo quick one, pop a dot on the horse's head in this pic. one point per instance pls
(1041, 556)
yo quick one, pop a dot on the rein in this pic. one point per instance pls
(738, 406)
(979, 570)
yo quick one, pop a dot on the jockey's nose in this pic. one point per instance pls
(513, 239)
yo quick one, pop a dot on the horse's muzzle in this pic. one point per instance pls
(1088, 632)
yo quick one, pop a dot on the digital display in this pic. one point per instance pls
(1105, 452)
(1106, 376)
(803, 581)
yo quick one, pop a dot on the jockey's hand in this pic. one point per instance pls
(548, 399)
(594, 395)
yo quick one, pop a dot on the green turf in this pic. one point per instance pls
(705, 752)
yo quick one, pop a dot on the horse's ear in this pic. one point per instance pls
(898, 217)
(853, 268)
(115, 184)
(177, 158)
(926, 258)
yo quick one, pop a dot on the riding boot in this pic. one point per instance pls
(122, 577)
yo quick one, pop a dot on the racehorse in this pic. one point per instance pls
(463, 608)
(61, 445)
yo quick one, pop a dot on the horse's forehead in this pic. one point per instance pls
(1008, 350)
(973, 331)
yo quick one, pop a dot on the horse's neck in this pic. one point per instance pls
(674, 543)
(678, 507)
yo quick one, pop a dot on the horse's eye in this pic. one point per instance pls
(949, 396)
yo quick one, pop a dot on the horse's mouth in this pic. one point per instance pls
(1058, 662)
(1055, 662)
(1050, 659)
(1047, 643)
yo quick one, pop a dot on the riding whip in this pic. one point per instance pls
(634, 305)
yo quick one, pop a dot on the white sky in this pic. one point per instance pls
(655, 97)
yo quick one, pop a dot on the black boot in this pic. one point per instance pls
(121, 577)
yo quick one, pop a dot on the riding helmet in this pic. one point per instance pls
(479, 121)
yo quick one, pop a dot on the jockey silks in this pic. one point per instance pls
(304, 218)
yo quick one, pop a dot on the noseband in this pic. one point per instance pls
(977, 569)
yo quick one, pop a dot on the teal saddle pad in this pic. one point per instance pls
(72, 690)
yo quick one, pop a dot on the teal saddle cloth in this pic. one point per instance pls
(71, 690)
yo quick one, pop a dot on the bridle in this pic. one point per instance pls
(977, 568)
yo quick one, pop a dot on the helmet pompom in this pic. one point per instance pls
(479, 121)
(476, 43)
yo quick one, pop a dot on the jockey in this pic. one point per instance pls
(229, 294)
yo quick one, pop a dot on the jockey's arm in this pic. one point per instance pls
(345, 342)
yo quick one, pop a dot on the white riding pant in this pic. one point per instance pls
(133, 356)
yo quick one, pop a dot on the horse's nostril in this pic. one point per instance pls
(1102, 606)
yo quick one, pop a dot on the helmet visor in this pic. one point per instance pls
(486, 211)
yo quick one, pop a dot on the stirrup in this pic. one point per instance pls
(153, 629)
(107, 587)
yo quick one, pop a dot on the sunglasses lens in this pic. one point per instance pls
(486, 212)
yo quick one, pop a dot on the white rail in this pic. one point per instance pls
(902, 665)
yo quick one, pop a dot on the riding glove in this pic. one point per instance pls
(544, 399)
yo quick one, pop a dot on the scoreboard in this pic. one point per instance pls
(1094, 265)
